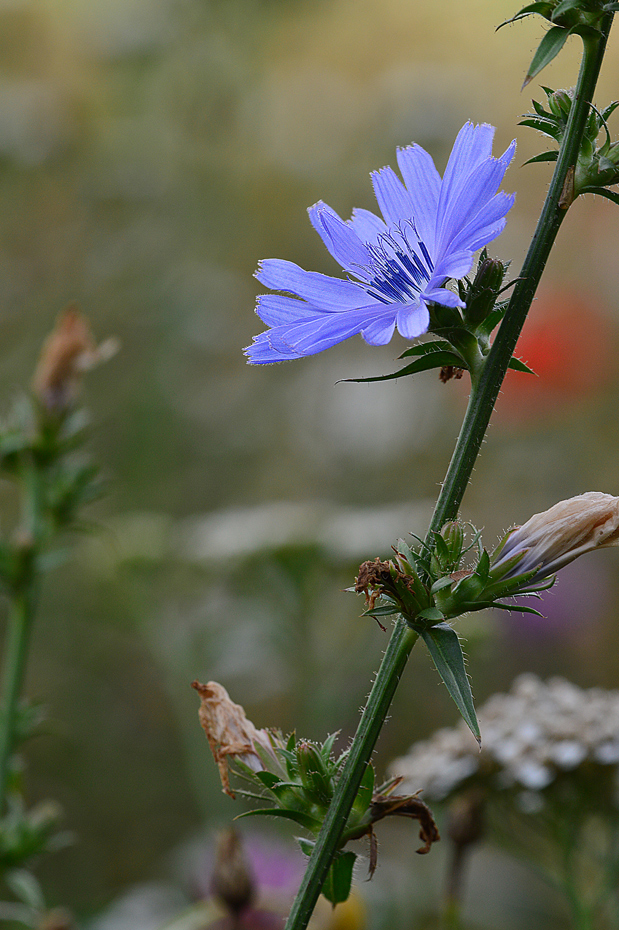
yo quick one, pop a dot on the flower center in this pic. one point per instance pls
(399, 269)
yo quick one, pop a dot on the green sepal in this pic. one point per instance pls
(547, 50)
(543, 156)
(435, 359)
(543, 8)
(610, 7)
(482, 569)
(366, 790)
(444, 647)
(443, 582)
(386, 611)
(603, 192)
(493, 319)
(336, 888)
(564, 6)
(427, 348)
(433, 614)
(307, 846)
(546, 125)
(518, 365)
(303, 820)
(268, 779)
(518, 608)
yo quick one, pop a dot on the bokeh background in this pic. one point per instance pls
(151, 152)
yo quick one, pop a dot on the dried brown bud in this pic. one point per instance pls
(465, 824)
(230, 734)
(232, 881)
(67, 353)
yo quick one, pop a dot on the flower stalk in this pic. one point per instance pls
(483, 396)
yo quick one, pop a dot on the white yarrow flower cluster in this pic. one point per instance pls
(529, 736)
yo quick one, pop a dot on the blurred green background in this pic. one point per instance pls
(151, 152)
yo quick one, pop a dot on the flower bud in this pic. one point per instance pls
(552, 539)
(484, 291)
(453, 534)
(314, 774)
(232, 881)
(560, 103)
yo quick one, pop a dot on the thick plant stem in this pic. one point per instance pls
(483, 397)
(481, 404)
(402, 641)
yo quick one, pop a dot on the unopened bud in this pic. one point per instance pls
(313, 771)
(453, 534)
(484, 290)
(552, 539)
(232, 881)
(560, 103)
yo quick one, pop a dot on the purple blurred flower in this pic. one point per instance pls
(430, 230)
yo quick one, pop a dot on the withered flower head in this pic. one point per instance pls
(230, 734)
(551, 539)
(67, 353)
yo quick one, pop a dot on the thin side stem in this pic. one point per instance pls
(481, 404)
(22, 609)
(17, 644)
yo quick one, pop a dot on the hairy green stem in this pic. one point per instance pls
(23, 598)
(14, 667)
(484, 394)
(483, 397)
(402, 641)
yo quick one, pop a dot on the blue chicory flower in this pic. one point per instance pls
(397, 265)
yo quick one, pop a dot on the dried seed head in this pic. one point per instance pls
(67, 353)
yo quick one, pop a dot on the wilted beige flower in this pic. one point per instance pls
(551, 539)
(67, 353)
(230, 734)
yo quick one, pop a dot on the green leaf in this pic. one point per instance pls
(543, 156)
(517, 365)
(425, 363)
(609, 110)
(549, 48)
(446, 651)
(544, 9)
(25, 886)
(339, 878)
(603, 192)
(611, 7)
(426, 348)
(304, 820)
